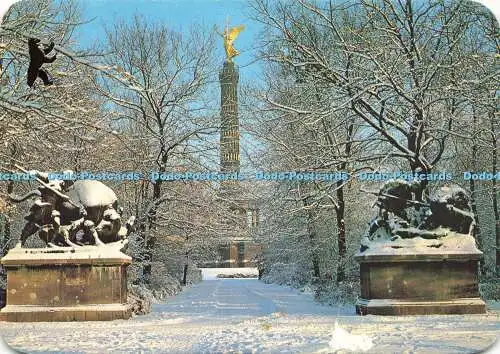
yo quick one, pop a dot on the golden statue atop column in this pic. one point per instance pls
(229, 35)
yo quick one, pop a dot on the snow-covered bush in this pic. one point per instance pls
(291, 274)
(161, 282)
(489, 289)
(194, 275)
(140, 298)
(344, 292)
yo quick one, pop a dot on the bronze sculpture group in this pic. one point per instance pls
(445, 212)
(73, 213)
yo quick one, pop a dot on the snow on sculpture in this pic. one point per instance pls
(403, 224)
(74, 213)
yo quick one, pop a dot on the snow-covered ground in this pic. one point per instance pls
(247, 316)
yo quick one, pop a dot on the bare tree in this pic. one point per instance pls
(42, 127)
(394, 65)
(162, 97)
(391, 72)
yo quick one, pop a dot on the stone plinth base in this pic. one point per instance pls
(87, 283)
(29, 313)
(419, 284)
(394, 307)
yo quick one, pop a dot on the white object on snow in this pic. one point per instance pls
(341, 339)
(211, 273)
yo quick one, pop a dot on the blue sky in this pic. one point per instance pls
(179, 14)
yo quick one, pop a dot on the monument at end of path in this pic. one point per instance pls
(236, 248)
(420, 257)
(82, 274)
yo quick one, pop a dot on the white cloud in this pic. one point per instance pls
(493, 5)
(4, 6)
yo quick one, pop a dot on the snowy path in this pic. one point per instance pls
(245, 315)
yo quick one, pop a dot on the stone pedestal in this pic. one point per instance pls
(87, 283)
(419, 284)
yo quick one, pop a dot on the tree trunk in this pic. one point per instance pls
(341, 232)
(6, 237)
(313, 239)
(340, 210)
(184, 276)
(472, 186)
(150, 233)
(494, 192)
(147, 257)
(314, 245)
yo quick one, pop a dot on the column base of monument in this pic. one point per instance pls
(419, 284)
(87, 283)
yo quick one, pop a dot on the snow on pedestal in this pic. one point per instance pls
(452, 243)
